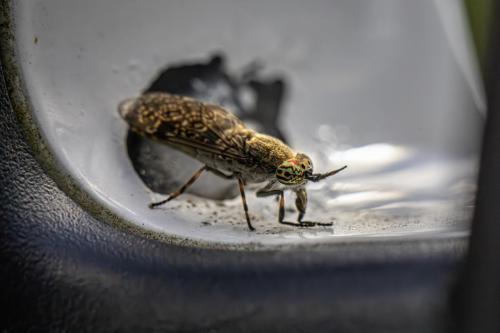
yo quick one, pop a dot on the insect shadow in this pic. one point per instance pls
(255, 100)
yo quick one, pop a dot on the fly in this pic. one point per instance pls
(226, 147)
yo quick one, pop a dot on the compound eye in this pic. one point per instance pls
(291, 172)
(284, 175)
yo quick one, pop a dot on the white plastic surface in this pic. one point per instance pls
(387, 87)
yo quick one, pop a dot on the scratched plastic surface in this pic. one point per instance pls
(389, 88)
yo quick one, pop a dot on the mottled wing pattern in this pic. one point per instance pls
(183, 121)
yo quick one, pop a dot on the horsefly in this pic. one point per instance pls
(226, 147)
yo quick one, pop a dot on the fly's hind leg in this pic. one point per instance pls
(183, 188)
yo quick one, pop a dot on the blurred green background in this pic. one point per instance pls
(480, 14)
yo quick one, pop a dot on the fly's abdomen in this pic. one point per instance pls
(162, 115)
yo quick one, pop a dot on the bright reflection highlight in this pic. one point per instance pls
(370, 157)
(366, 197)
(390, 179)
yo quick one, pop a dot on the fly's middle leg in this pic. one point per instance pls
(244, 201)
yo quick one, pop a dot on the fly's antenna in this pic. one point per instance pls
(316, 177)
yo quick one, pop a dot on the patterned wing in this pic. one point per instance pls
(186, 122)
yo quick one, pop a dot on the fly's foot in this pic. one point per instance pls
(152, 205)
(307, 224)
(159, 203)
(313, 224)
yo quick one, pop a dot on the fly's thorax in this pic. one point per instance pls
(269, 150)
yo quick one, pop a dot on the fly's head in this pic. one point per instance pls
(294, 171)
(297, 171)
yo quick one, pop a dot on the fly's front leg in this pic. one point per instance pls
(281, 212)
(183, 188)
(301, 204)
